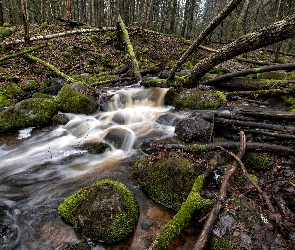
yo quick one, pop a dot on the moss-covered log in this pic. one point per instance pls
(274, 33)
(287, 66)
(130, 49)
(23, 52)
(173, 228)
(211, 26)
(51, 67)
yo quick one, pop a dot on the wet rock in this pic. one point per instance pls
(95, 148)
(60, 119)
(105, 211)
(120, 138)
(169, 119)
(194, 130)
(53, 86)
(72, 99)
(119, 118)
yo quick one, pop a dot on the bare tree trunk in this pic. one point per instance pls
(25, 15)
(215, 22)
(69, 12)
(277, 32)
(1, 14)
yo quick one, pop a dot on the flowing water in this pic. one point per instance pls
(41, 167)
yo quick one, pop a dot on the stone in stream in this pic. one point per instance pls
(105, 211)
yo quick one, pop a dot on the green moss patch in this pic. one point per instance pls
(257, 161)
(168, 180)
(7, 92)
(34, 112)
(105, 211)
(72, 100)
(199, 99)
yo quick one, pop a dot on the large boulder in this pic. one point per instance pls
(105, 211)
(194, 130)
(168, 180)
(72, 99)
(34, 112)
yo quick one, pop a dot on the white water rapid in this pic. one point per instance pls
(41, 167)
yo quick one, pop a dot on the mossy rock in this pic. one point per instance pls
(34, 112)
(199, 99)
(7, 92)
(72, 100)
(29, 85)
(169, 180)
(257, 161)
(105, 211)
(5, 32)
(95, 147)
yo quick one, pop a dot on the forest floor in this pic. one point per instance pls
(98, 57)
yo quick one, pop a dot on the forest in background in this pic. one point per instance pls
(185, 18)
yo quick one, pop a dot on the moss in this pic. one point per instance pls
(217, 70)
(173, 228)
(154, 82)
(41, 95)
(228, 243)
(72, 101)
(256, 70)
(5, 32)
(105, 211)
(256, 161)
(188, 65)
(197, 148)
(290, 101)
(199, 99)
(43, 26)
(7, 92)
(168, 180)
(29, 85)
(28, 113)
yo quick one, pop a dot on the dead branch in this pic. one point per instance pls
(287, 66)
(69, 22)
(25, 51)
(230, 170)
(250, 124)
(61, 34)
(247, 175)
(270, 115)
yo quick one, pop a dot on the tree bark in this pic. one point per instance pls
(25, 15)
(277, 32)
(130, 50)
(287, 66)
(212, 25)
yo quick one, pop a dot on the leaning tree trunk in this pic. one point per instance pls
(274, 33)
(212, 25)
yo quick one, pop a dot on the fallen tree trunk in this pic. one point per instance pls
(130, 50)
(211, 26)
(61, 34)
(23, 52)
(51, 67)
(241, 59)
(287, 66)
(277, 32)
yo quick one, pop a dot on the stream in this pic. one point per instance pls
(41, 167)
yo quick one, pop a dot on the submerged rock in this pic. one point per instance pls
(95, 147)
(105, 211)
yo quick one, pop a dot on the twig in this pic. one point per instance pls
(264, 196)
(204, 235)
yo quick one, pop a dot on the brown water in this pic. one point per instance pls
(41, 167)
